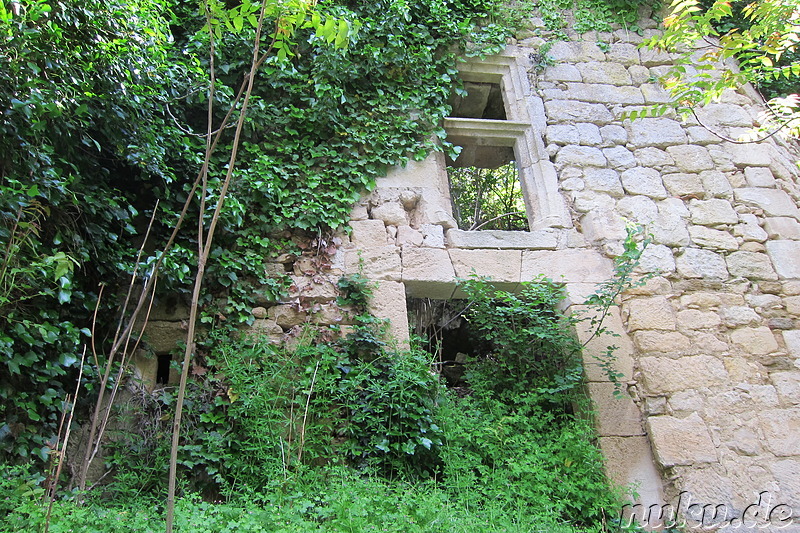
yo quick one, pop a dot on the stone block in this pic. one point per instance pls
(650, 313)
(596, 346)
(667, 342)
(614, 417)
(701, 136)
(585, 201)
(623, 53)
(576, 52)
(655, 132)
(571, 266)
(389, 302)
(749, 229)
(391, 213)
(657, 258)
(570, 111)
(792, 340)
(589, 134)
(683, 184)
(650, 157)
(663, 375)
(164, 336)
(792, 304)
(629, 463)
(499, 265)
(736, 316)
(562, 134)
(639, 209)
(712, 212)
(654, 94)
(689, 319)
(785, 257)
(782, 228)
(644, 181)
(562, 72)
(263, 329)
(716, 184)
(603, 225)
(359, 212)
(750, 265)
(375, 263)
(546, 239)
(681, 441)
(604, 72)
(687, 401)
(787, 384)
(754, 341)
(773, 202)
(368, 233)
(691, 158)
(604, 94)
(432, 235)
(427, 264)
(705, 264)
(408, 236)
(759, 177)
(654, 58)
(749, 155)
(580, 156)
(603, 180)
(613, 134)
(619, 157)
(415, 173)
(781, 427)
(669, 227)
(431, 211)
(328, 314)
(724, 115)
(713, 239)
(787, 474)
(700, 300)
(286, 316)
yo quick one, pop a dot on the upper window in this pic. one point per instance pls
(497, 181)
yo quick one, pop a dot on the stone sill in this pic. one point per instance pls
(545, 239)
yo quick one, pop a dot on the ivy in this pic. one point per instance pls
(103, 108)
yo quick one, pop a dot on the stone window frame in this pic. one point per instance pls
(544, 204)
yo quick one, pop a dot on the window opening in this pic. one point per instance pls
(487, 198)
(479, 100)
(162, 371)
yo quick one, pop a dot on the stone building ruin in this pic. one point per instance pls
(710, 346)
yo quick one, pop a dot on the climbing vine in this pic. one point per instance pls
(104, 115)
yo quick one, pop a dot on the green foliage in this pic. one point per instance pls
(336, 501)
(104, 107)
(258, 414)
(590, 15)
(487, 198)
(760, 36)
(530, 345)
(522, 458)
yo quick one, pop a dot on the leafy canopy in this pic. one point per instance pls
(761, 37)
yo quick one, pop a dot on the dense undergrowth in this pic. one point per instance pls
(356, 435)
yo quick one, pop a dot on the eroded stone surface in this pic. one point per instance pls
(681, 441)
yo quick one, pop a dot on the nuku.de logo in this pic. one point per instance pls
(762, 514)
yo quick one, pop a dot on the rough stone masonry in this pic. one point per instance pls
(710, 346)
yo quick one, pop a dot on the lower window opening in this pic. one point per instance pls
(162, 371)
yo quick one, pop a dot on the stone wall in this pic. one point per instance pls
(710, 346)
